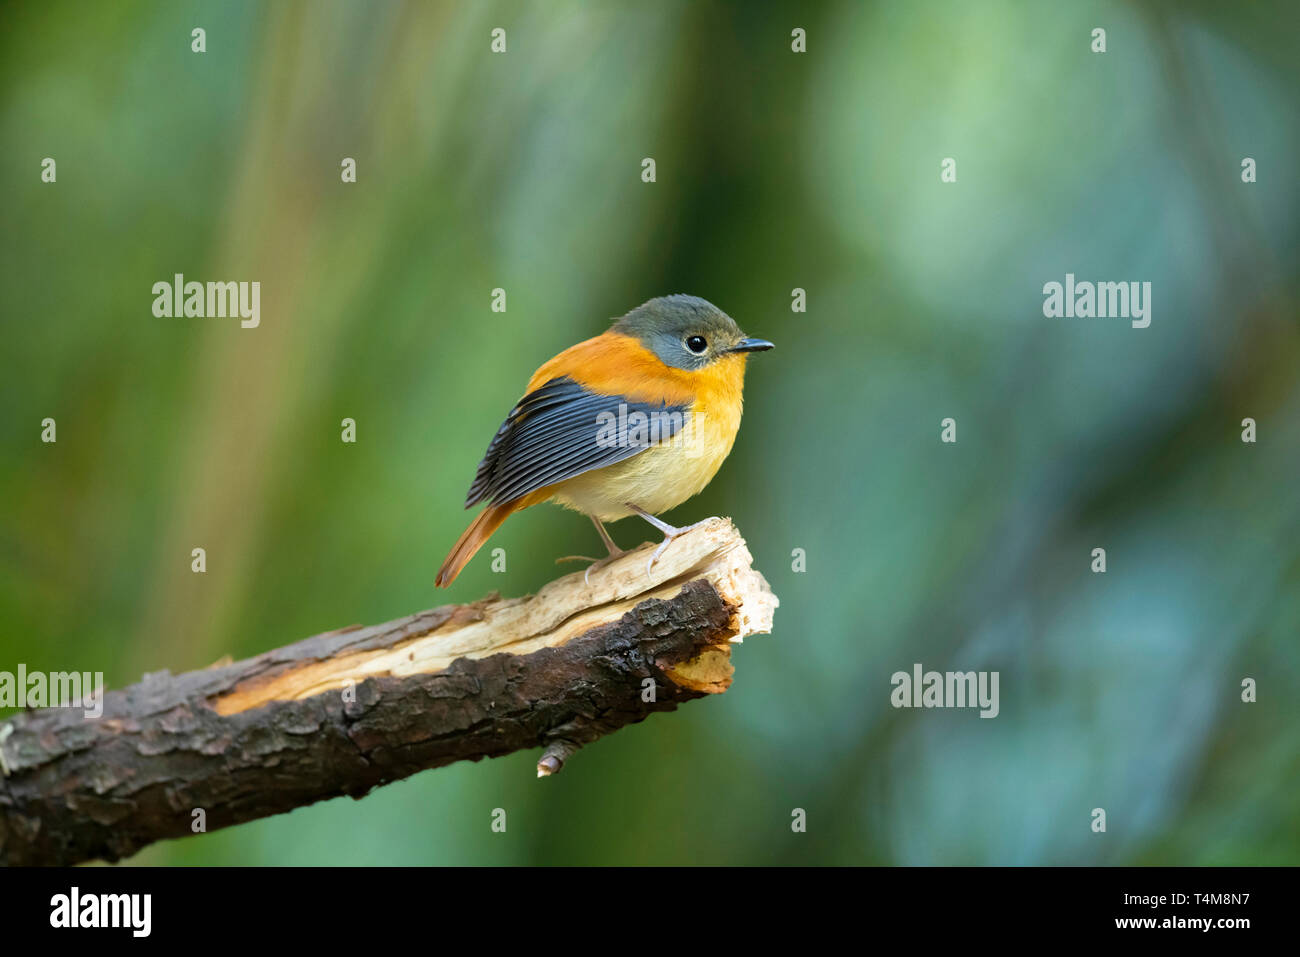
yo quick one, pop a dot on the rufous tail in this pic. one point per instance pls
(488, 521)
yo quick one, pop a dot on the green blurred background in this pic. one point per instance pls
(775, 170)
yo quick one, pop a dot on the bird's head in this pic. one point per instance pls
(687, 332)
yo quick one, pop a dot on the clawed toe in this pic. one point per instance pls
(668, 540)
(595, 563)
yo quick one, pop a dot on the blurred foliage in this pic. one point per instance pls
(775, 170)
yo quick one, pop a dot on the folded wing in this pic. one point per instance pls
(561, 430)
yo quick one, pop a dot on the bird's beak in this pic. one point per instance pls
(751, 345)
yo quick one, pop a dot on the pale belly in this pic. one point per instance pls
(658, 479)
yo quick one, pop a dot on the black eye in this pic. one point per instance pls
(696, 344)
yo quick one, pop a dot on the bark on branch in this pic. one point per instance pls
(346, 711)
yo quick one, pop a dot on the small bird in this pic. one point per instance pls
(632, 422)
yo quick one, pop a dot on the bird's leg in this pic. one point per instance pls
(614, 552)
(670, 532)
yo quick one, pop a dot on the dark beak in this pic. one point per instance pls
(751, 345)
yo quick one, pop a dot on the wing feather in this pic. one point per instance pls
(555, 432)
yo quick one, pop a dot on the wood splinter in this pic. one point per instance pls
(349, 710)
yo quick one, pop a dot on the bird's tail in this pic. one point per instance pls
(472, 539)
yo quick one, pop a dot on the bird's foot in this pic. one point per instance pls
(595, 562)
(670, 533)
(669, 536)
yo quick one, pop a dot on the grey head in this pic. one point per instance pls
(686, 332)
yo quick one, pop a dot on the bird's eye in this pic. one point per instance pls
(697, 344)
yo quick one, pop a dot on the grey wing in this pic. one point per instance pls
(561, 430)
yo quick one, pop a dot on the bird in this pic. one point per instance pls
(631, 422)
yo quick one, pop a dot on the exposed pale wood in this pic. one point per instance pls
(566, 607)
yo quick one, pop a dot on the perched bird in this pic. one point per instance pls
(634, 421)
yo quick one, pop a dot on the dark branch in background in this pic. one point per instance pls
(344, 712)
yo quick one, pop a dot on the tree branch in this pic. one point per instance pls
(346, 711)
